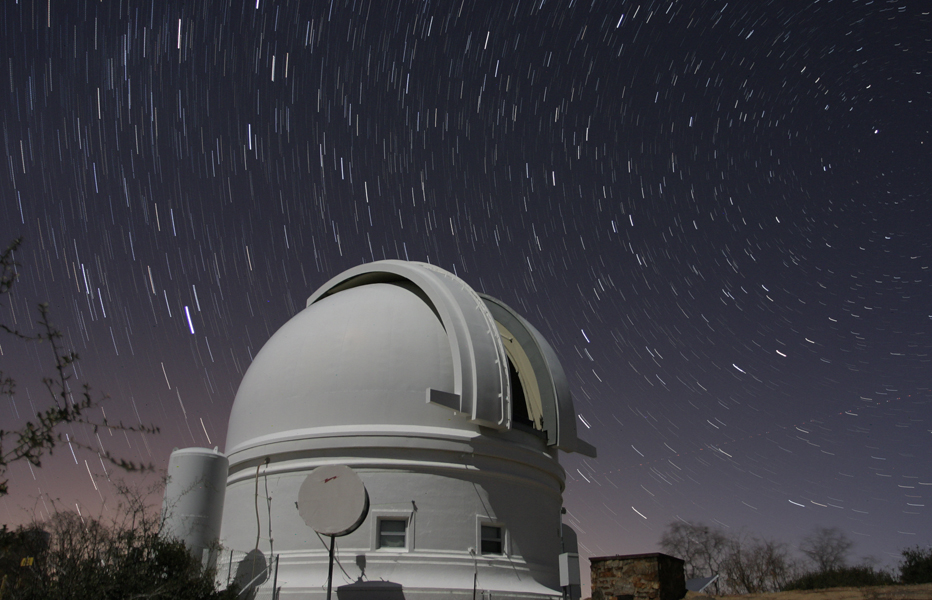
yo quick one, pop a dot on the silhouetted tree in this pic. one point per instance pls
(703, 548)
(827, 548)
(916, 566)
(745, 564)
(41, 434)
(754, 565)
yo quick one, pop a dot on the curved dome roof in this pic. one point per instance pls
(401, 344)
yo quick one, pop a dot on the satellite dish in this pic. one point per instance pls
(333, 500)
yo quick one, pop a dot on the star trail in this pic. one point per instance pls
(717, 213)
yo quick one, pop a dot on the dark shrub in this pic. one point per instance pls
(916, 566)
(845, 577)
(82, 559)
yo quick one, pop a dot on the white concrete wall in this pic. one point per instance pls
(445, 482)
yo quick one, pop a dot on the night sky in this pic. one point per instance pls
(717, 213)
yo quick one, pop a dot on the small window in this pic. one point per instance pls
(492, 540)
(392, 533)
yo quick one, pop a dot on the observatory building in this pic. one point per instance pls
(449, 406)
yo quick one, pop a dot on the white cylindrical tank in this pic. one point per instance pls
(192, 508)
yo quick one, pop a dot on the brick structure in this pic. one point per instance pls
(638, 577)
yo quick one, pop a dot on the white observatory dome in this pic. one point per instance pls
(449, 406)
(364, 356)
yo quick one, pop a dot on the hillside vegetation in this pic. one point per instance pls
(888, 592)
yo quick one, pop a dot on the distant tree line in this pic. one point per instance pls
(748, 564)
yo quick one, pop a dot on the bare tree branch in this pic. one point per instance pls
(40, 436)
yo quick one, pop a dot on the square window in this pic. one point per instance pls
(392, 533)
(492, 540)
